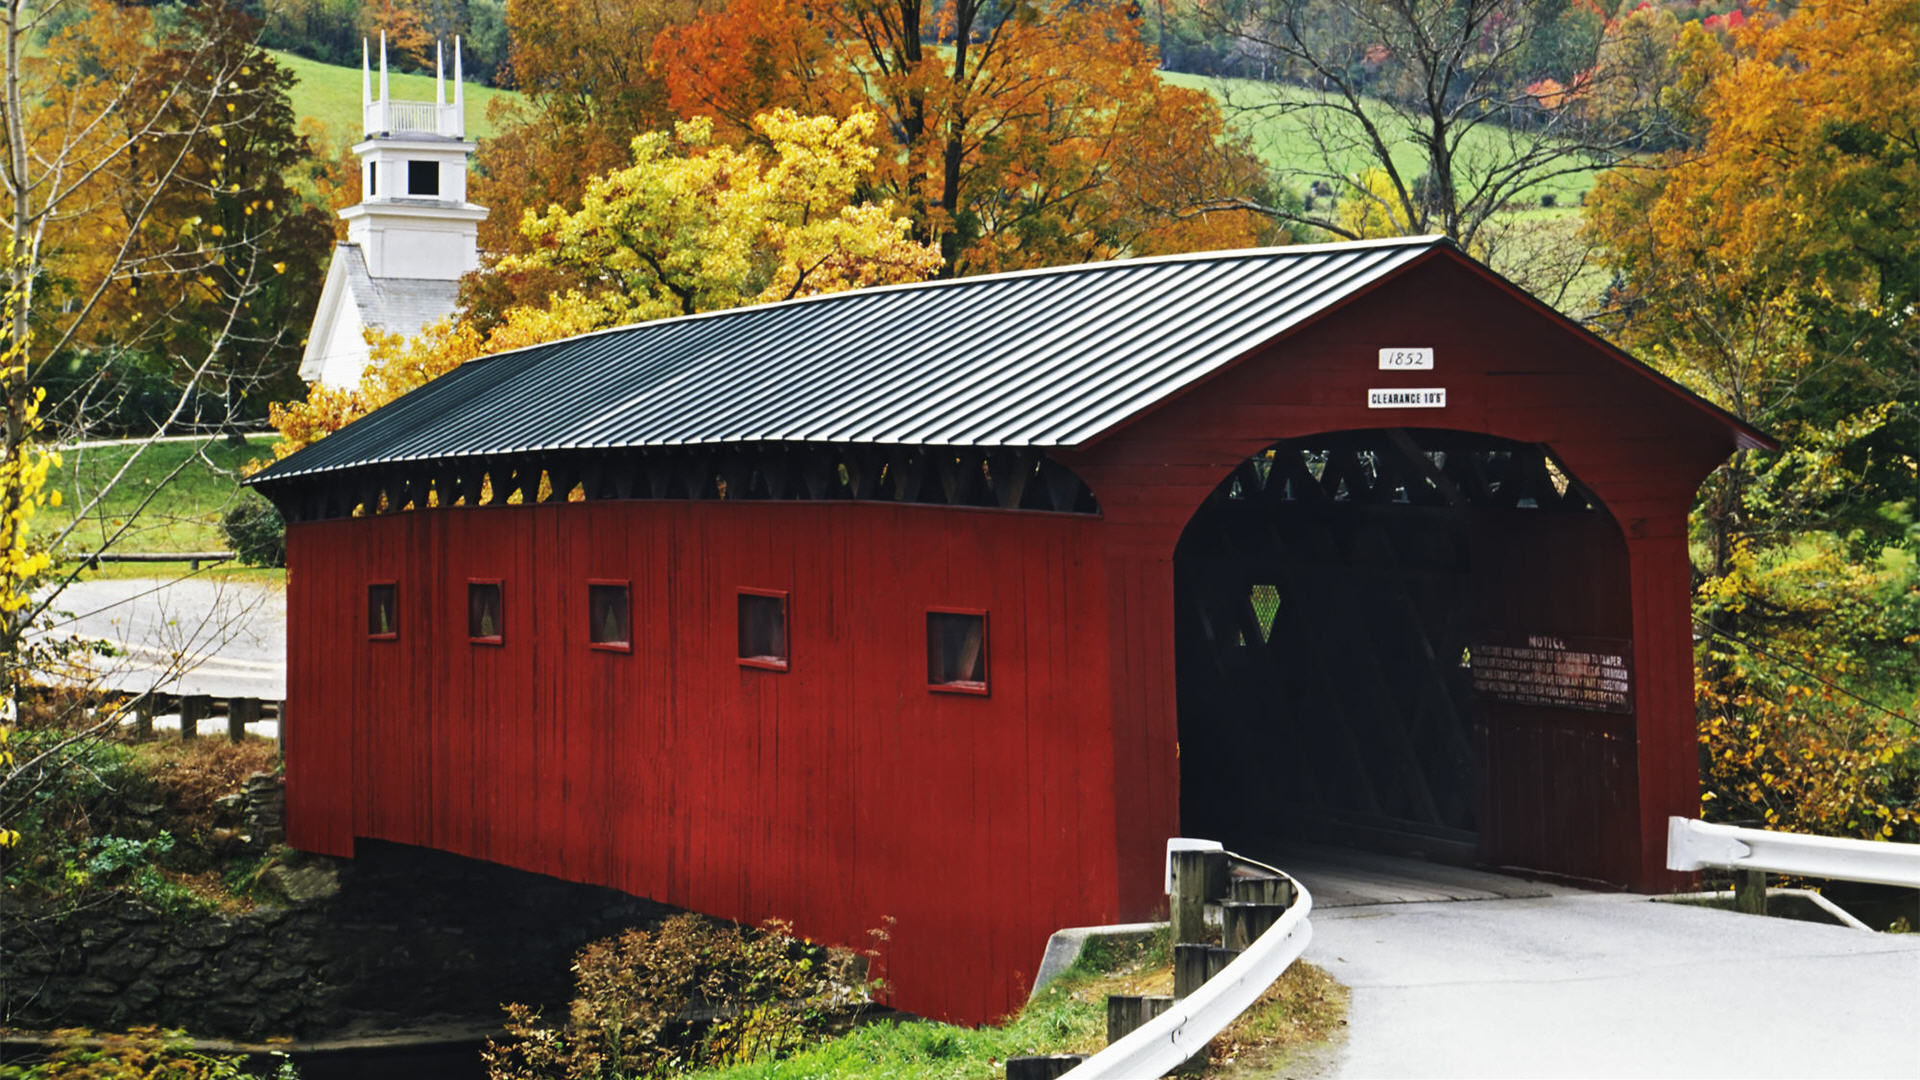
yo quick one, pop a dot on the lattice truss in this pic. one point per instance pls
(1409, 466)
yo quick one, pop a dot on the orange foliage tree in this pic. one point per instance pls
(1019, 135)
(587, 90)
(1774, 264)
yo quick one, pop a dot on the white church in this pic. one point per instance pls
(413, 233)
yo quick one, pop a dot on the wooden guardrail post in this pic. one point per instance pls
(1042, 1066)
(143, 709)
(1126, 1012)
(1750, 892)
(280, 727)
(240, 713)
(1262, 889)
(1242, 922)
(193, 709)
(1193, 965)
(1199, 878)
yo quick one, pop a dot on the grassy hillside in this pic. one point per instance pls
(185, 517)
(1285, 142)
(331, 95)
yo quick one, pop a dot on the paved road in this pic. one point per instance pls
(194, 636)
(1577, 984)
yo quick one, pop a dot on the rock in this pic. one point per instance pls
(100, 934)
(204, 934)
(267, 915)
(172, 962)
(279, 976)
(143, 993)
(120, 965)
(136, 913)
(236, 972)
(305, 884)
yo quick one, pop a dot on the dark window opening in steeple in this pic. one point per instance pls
(423, 178)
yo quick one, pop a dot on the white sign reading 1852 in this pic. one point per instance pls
(1433, 398)
(1406, 359)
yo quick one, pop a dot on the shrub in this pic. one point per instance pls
(690, 994)
(256, 531)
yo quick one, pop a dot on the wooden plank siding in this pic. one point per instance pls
(834, 794)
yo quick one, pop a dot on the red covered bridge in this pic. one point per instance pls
(951, 602)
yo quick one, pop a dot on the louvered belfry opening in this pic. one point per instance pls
(1328, 596)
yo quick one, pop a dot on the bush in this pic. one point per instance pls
(763, 993)
(255, 531)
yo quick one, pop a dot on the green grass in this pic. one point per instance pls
(1284, 140)
(231, 570)
(1302, 1012)
(184, 516)
(1070, 1017)
(331, 95)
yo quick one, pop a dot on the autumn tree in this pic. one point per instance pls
(231, 189)
(587, 90)
(1773, 263)
(690, 225)
(112, 118)
(1016, 135)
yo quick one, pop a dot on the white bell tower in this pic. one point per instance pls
(413, 219)
(413, 233)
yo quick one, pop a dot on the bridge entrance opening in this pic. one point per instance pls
(1329, 597)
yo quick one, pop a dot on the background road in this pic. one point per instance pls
(191, 636)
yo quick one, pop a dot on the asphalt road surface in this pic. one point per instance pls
(1581, 984)
(191, 636)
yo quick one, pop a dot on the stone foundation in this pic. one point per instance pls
(396, 936)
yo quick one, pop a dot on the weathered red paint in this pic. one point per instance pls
(834, 794)
(844, 790)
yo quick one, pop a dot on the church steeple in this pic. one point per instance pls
(413, 219)
(413, 233)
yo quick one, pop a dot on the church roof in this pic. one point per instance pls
(394, 305)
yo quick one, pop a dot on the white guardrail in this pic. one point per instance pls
(1165, 1042)
(1697, 845)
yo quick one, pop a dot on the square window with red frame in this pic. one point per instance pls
(383, 611)
(486, 613)
(609, 615)
(763, 629)
(957, 651)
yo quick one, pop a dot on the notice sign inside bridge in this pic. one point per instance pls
(1591, 674)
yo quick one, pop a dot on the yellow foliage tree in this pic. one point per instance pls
(695, 226)
(690, 226)
(1373, 210)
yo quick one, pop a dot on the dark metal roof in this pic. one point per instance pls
(1036, 358)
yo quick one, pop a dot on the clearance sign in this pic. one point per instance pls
(1429, 398)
